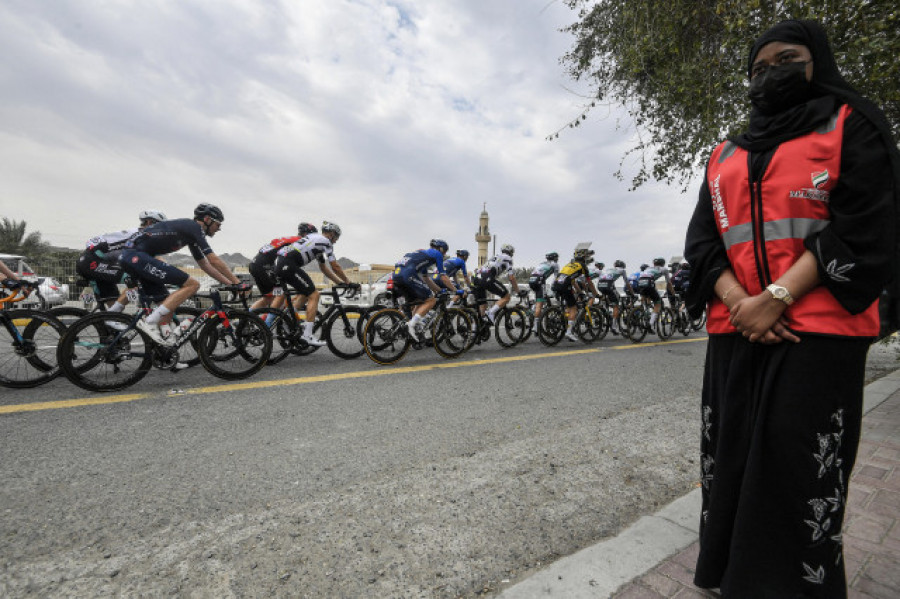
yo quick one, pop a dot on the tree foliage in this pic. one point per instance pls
(13, 239)
(679, 67)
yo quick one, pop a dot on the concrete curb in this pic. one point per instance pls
(598, 571)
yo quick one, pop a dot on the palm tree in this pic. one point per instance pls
(13, 239)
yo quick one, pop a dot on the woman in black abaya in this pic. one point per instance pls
(791, 243)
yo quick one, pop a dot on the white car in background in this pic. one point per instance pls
(53, 292)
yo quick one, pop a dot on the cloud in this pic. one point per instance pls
(396, 119)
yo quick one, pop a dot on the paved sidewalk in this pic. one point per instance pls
(655, 557)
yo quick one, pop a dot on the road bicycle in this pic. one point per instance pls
(386, 336)
(337, 326)
(638, 321)
(511, 325)
(591, 323)
(105, 351)
(28, 341)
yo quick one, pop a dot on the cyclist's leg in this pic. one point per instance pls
(496, 287)
(420, 291)
(263, 276)
(155, 275)
(103, 276)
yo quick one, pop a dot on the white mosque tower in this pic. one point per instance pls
(483, 237)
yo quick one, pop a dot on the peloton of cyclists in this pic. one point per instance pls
(538, 282)
(99, 262)
(485, 281)
(607, 286)
(289, 269)
(647, 285)
(411, 276)
(570, 284)
(139, 259)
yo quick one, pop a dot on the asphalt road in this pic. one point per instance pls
(328, 478)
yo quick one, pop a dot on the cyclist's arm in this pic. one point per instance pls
(338, 275)
(448, 283)
(7, 273)
(512, 281)
(217, 269)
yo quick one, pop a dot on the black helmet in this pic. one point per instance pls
(620, 264)
(440, 244)
(208, 210)
(464, 254)
(552, 256)
(304, 229)
(507, 249)
(659, 262)
(600, 266)
(644, 267)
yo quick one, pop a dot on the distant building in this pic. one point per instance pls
(483, 237)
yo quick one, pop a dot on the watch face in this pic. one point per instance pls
(779, 292)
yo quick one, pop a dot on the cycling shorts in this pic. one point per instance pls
(537, 285)
(611, 293)
(264, 276)
(293, 275)
(413, 286)
(565, 294)
(103, 275)
(481, 287)
(647, 288)
(153, 274)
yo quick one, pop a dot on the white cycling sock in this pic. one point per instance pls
(308, 329)
(157, 315)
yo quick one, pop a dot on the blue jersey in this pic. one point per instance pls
(451, 267)
(416, 263)
(170, 236)
(633, 280)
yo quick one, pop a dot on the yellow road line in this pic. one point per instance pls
(323, 378)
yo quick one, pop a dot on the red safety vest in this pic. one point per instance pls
(764, 224)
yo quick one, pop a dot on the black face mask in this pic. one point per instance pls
(780, 87)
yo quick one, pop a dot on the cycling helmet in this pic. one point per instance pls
(440, 244)
(601, 266)
(685, 265)
(154, 215)
(552, 257)
(464, 254)
(208, 210)
(620, 264)
(507, 249)
(304, 229)
(644, 267)
(328, 227)
(659, 262)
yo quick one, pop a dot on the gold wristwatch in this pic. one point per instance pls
(780, 293)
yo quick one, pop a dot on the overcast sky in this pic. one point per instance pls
(395, 119)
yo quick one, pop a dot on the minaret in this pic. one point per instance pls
(483, 237)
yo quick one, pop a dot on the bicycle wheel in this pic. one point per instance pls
(634, 324)
(698, 322)
(236, 350)
(386, 338)
(104, 352)
(28, 342)
(451, 333)
(187, 353)
(474, 327)
(683, 322)
(589, 324)
(283, 329)
(665, 324)
(68, 314)
(552, 325)
(340, 332)
(511, 326)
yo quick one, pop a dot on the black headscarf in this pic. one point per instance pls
(829, 90)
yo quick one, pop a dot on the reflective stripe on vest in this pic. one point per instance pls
(763, 228)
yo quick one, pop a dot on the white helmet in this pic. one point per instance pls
(154, 215)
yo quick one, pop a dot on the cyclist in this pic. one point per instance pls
(607, 286)
(262, 266)
(486, 281)
(647, 285)
(681, 280)
(538, 281)
(633, 278)
(571, 283)
(99, 262)
(453, 267)
(139, 259)
(289, 268)
(410, 275)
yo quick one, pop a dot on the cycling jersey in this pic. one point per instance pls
(568, 274)
(607, 283)
(681, 280)
(633, 281)
(170, 236)
(416, 264)
(269, 252)
(314, 246)
(544, 271)
(101, 245)
(647, 281)
(99, 263)
(451, 267)
(495, 267)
